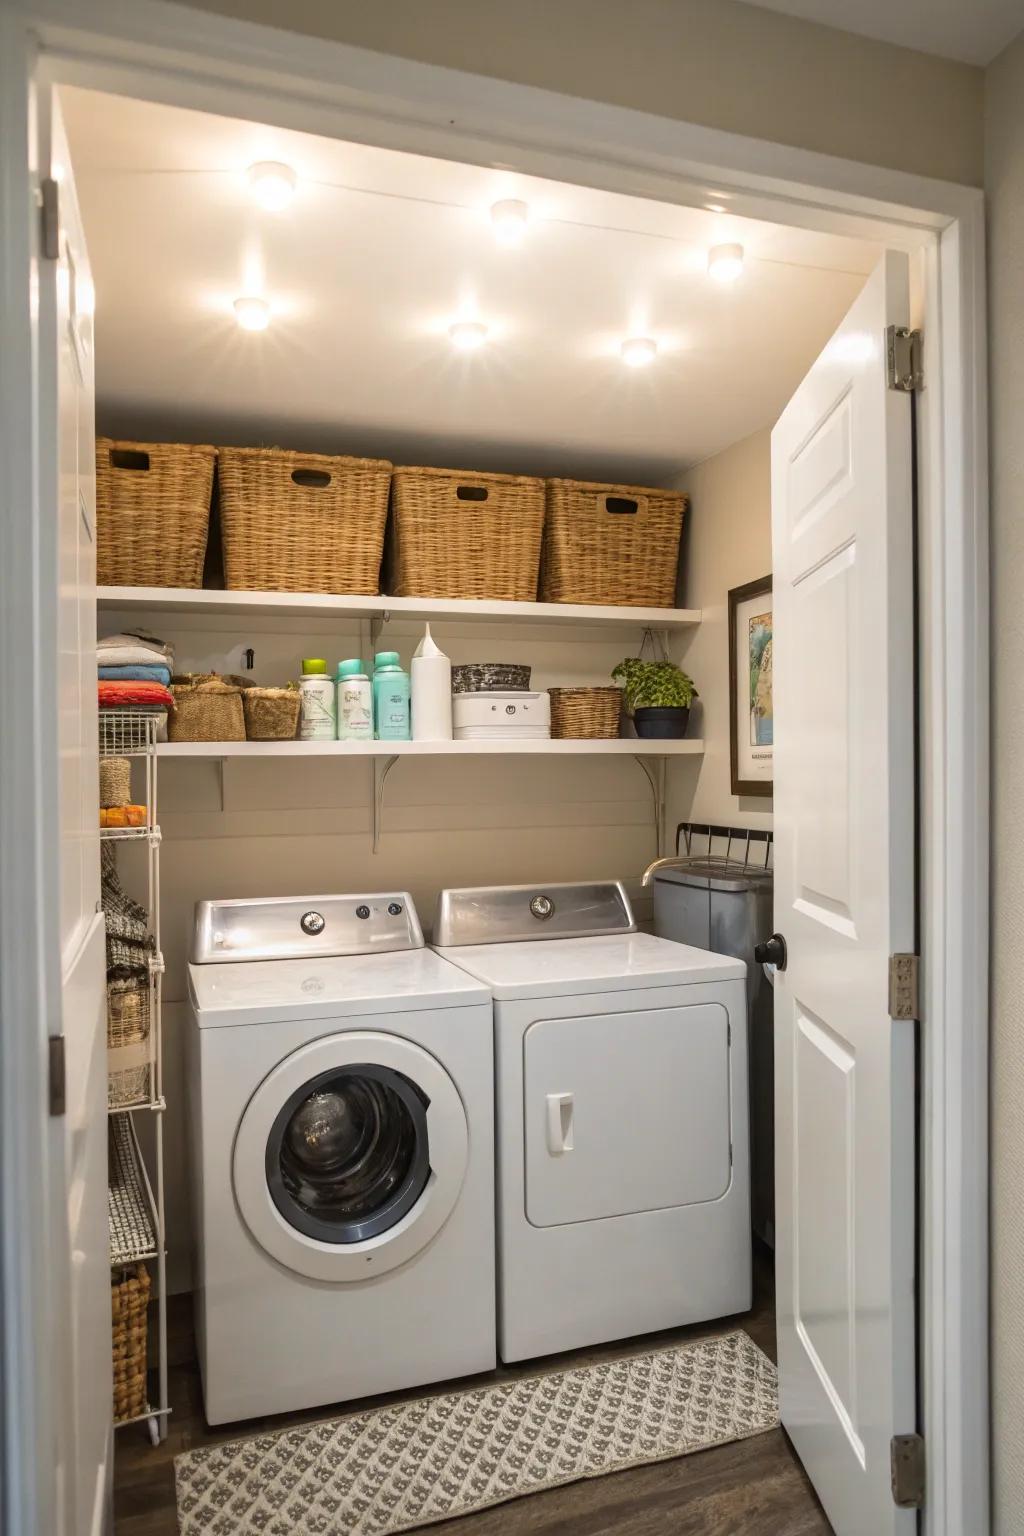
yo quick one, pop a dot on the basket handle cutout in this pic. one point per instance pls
(312, 479)
(129, 458)
(472, 492)
(624, 506)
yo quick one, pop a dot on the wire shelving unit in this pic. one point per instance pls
(135, 1198)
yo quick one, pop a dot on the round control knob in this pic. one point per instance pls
(395, 908)
(542, 906)
(312, 922)
(362, 911)
(772, 952)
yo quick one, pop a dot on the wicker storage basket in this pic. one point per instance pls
(616, 544)
(585, 712)
(455, 533)
(206, 708)
(271, 714)
(129, 1299)
(301, 522)
(152, 513)
(128, 1085)
(115, 782)
(127, 1012)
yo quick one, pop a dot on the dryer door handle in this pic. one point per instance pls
(561, 1109)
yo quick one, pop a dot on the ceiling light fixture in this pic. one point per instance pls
(272, 184)
(510, 218)
(638, 351)
(252, 314)
(467, 335)
(725, 263)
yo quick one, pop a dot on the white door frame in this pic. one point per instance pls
(156, 50)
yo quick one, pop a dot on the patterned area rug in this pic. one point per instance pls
(414, 1463)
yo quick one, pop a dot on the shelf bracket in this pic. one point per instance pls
(382, 766)
(377, 623)
(656, 773)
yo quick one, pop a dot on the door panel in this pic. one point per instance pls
(626, 1113)
(844, 900)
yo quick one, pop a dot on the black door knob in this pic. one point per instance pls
(772, 952)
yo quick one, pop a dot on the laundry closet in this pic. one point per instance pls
(595, 377)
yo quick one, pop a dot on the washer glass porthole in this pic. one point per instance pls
(348, 1153)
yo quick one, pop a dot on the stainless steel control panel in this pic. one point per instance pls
(293, 927)
(496, 914)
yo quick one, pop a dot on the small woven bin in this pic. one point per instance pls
(129, 1300)
(127, 1012)
(455, 533)
(585, 713)
(152, 512)
(615, 544)
(207, 707)
(115, 782)
(301, 522)
(271, 714)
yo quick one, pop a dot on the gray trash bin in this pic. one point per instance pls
(725, 906)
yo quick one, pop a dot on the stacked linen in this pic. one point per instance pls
(135, 673)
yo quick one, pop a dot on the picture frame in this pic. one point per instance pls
(751, 717)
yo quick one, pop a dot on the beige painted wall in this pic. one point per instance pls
(1004, 128)
(728, 543)
(718, 63)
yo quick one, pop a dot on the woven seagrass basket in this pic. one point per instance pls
(301, 522)
(271, 714)
(127, 1012)
(115, 782)
(129, 1299)
(207, 707)
(616, 544)
(585, 713)
(456, 533)
(152, 512)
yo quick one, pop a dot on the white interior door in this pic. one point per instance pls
(68, 496)
(844, 901)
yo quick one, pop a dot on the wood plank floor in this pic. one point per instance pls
(753, 1488)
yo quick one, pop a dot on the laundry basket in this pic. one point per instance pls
(301, 522)
(129, 1300)
(616, 544)
(585, 713)
(152, 512)
(455, 533)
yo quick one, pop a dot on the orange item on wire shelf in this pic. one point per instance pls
(123, 816)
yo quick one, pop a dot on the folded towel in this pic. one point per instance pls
(116, 695)
(132, 656)
(136, 675)
(136, 637)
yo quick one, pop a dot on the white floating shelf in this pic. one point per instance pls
(167, 600)
(618, 747)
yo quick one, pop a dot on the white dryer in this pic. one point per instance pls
(341, 1108)
(622, 1123)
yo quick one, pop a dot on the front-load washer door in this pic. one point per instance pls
(350, 1156)
(626, 1112)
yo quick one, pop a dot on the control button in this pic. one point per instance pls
(542, 906)
(395, 908)
(362, 911)
(312, 922)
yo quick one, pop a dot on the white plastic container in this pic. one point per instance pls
(317, 720)
(509, 715)
(355, 702)
(431, 692)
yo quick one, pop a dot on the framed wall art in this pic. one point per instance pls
(750, 687)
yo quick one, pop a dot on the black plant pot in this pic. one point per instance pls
(661, 722)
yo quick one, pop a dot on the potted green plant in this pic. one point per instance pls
(657, 694)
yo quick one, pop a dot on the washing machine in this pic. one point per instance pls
(340, 1090)
(623, 1176)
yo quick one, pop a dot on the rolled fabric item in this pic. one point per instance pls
(136, 674)
(115, 695)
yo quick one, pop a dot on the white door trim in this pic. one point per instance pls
(155, 49)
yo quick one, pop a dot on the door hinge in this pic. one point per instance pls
(906, 1457)
(58, 1076)
(904, 365)
(904, 987)
(51, 218)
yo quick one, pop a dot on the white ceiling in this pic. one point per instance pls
(378, 253)
(973, 31)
